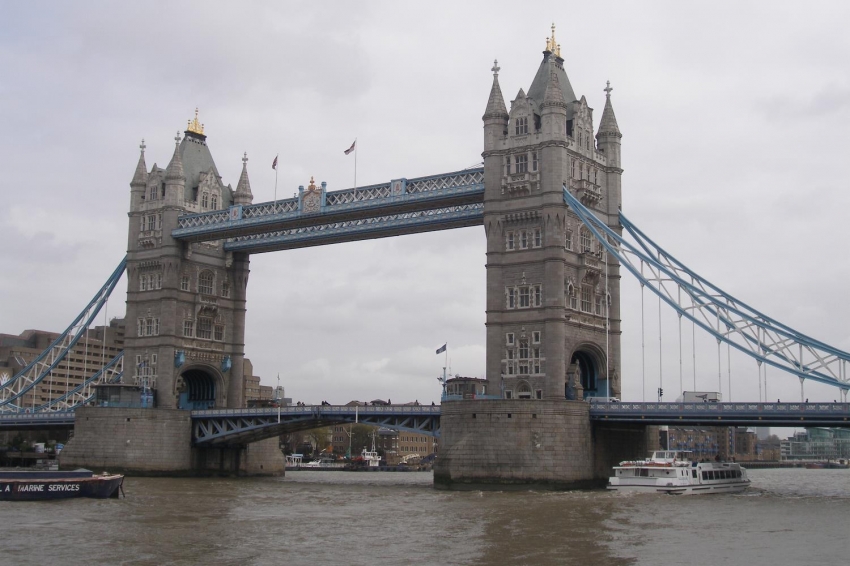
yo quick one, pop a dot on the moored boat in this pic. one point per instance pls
(675, 472)
(25, 485)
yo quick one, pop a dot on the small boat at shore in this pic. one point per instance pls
(26, 485)
(677, 473)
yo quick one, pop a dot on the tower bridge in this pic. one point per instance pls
(549, 197)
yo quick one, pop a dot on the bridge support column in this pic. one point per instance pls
(550, 444)
(497, 444)
(158, 442)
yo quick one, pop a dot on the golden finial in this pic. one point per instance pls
(312, 186)
(195, 126)
(552, 45)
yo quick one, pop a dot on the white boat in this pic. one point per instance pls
(676, 472)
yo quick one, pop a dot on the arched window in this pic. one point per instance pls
(523, 390)
(205, 200)
(214, 202)
(205, 283)
(152, 193)
(585, 240)
(521, 126)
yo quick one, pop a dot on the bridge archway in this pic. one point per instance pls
(199, 388)
(590, 363)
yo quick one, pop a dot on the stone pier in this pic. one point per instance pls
(158, 442)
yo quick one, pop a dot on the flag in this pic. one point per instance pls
(442, 348)
(350, 149)
(274, 163)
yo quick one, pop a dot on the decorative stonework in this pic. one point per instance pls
(311, 200)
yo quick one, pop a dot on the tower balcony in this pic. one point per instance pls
(588, 193)
(520, 184)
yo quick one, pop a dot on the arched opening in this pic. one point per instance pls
(523, 390)
(197, 391)
(588, 371)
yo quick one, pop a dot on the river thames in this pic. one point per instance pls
(793, 516)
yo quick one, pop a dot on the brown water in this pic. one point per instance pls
(316, 518)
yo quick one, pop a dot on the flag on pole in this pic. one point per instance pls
(442, 348)
(274, 163)
(350, 149)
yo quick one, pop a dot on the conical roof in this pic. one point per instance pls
(174, 171)
(608, 122)
(243, 193)
(496, 103)
(140, 177)
(553, 95)
(551, 64)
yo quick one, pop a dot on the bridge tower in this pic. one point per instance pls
(553, 316)
(185, 301)
(553, 298)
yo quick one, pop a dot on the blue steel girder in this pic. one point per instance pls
(27, 421)
(724, 414)
(721, 315)
(236, 427)
(429, 220)
(389, 199)
(42, 366)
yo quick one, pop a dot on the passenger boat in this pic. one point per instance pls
(676, 472)
(25, 485)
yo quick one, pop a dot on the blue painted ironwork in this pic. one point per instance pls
(724, 414)
(63, 419)
(715, 311)
(368, 228)
(46, 362)
(241, 426)
(393, 198)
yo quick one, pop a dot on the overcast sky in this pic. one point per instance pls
(734, 119)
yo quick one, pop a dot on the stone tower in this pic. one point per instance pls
(553, 316)
(185, 302)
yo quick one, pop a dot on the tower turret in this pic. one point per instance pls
(496, 115)
(140, 180)
(175, 180)
(608, 136)
(243, 193)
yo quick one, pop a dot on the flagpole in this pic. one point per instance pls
(275, 183)
(355, 163)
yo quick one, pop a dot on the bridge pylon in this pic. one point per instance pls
(185, 301)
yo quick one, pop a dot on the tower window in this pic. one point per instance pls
(204, 331)
(205, 200)
(507, 165)
(570, 128)
(510, 241)
(574, 169)
(152, 195)
(219, 332)
(188, 328)
(534, 161)
(521, 126)
(184, 283)
(511, 298)
(535, 337)
(568, 240)
(225, 289)
(205, 283)
(585, 298)
(152, 222)
(538, 238)
(585, 240)
(523, 240)
(214, 202)
(538, 296)
(521, 163)
(509, 338)
(524, 297)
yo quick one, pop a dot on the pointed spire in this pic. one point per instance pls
(608, 122)
(243, 193)
(174, 171)
(496, 104)
(140, 177)
(553, 95)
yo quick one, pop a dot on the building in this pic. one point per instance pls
(186, 300)
(94, 349)
(725, 442)
(465, 387)
(393, 445)
(252, 390)
(553, 293)
(816, 444)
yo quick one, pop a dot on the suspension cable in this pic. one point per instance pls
(642, 340)
(681, 382)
